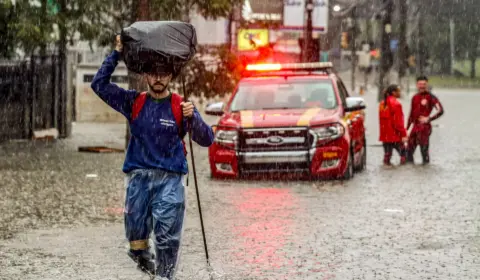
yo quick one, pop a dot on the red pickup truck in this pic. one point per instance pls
(295, 118)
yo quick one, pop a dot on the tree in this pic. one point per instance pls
(436, 37)
(39, 25)
(215, 77)
(468, 32)
(386, 61)
(7, 29)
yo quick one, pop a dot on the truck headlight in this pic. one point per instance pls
(327, 132)
(226, 137)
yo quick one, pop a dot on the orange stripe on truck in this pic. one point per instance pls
(308, 116)
(246, 118)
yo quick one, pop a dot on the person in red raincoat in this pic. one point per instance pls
(423, 104)
(392, 129)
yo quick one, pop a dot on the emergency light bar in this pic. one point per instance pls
(312, 66)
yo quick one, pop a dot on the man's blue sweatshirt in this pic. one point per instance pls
(155, 142)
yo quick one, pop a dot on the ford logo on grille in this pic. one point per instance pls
(274, 140)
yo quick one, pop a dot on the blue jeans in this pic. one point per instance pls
(155, 199)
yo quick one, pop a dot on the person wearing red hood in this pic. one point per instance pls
(393, 134)
(423, 104)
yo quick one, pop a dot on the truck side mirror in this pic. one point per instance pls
(355, 104)
(215, 109)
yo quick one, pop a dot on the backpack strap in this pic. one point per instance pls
(138, 104)
(178, 114)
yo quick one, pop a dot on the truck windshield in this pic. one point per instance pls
(284, 94)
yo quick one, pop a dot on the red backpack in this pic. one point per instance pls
(176, 110)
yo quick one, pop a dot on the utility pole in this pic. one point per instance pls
(353, 46)
(386, 53)
(308, 33)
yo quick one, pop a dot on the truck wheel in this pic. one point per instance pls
(363, 162)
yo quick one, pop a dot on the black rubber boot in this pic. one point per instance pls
(409, 158)
(144, 259)
(425, 154)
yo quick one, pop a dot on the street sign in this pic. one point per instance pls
(251, 39)
(294, 16)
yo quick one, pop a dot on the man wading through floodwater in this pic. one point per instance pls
(155, 163)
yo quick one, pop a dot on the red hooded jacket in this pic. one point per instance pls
(392, 128)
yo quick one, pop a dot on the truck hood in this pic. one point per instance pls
(279, 118)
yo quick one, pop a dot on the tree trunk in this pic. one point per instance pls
(386, 53)
(46, 119)
(140, 12)
(421, 51)
(229, 30)
(473, 67)
(143, 10)
(63, 126)
(43, 45)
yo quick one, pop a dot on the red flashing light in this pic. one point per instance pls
(264, 67)
(312, 66)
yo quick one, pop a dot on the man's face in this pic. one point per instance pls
(422, 86)
(159, 82)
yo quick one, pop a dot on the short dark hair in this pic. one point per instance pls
(422, 78)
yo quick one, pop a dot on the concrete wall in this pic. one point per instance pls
(89, 107)
(210, 32)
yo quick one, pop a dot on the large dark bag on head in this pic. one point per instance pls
(158, 46)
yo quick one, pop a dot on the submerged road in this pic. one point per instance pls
(60, 213)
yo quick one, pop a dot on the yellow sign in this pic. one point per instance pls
(251, 39)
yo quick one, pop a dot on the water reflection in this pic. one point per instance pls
(268, 217)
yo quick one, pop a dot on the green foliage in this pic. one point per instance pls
(121, 13)
(438, 13)
(35, 27)
(7, 29)
(215, 8)
(213, 72)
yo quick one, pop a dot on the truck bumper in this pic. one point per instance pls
(326, 161)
